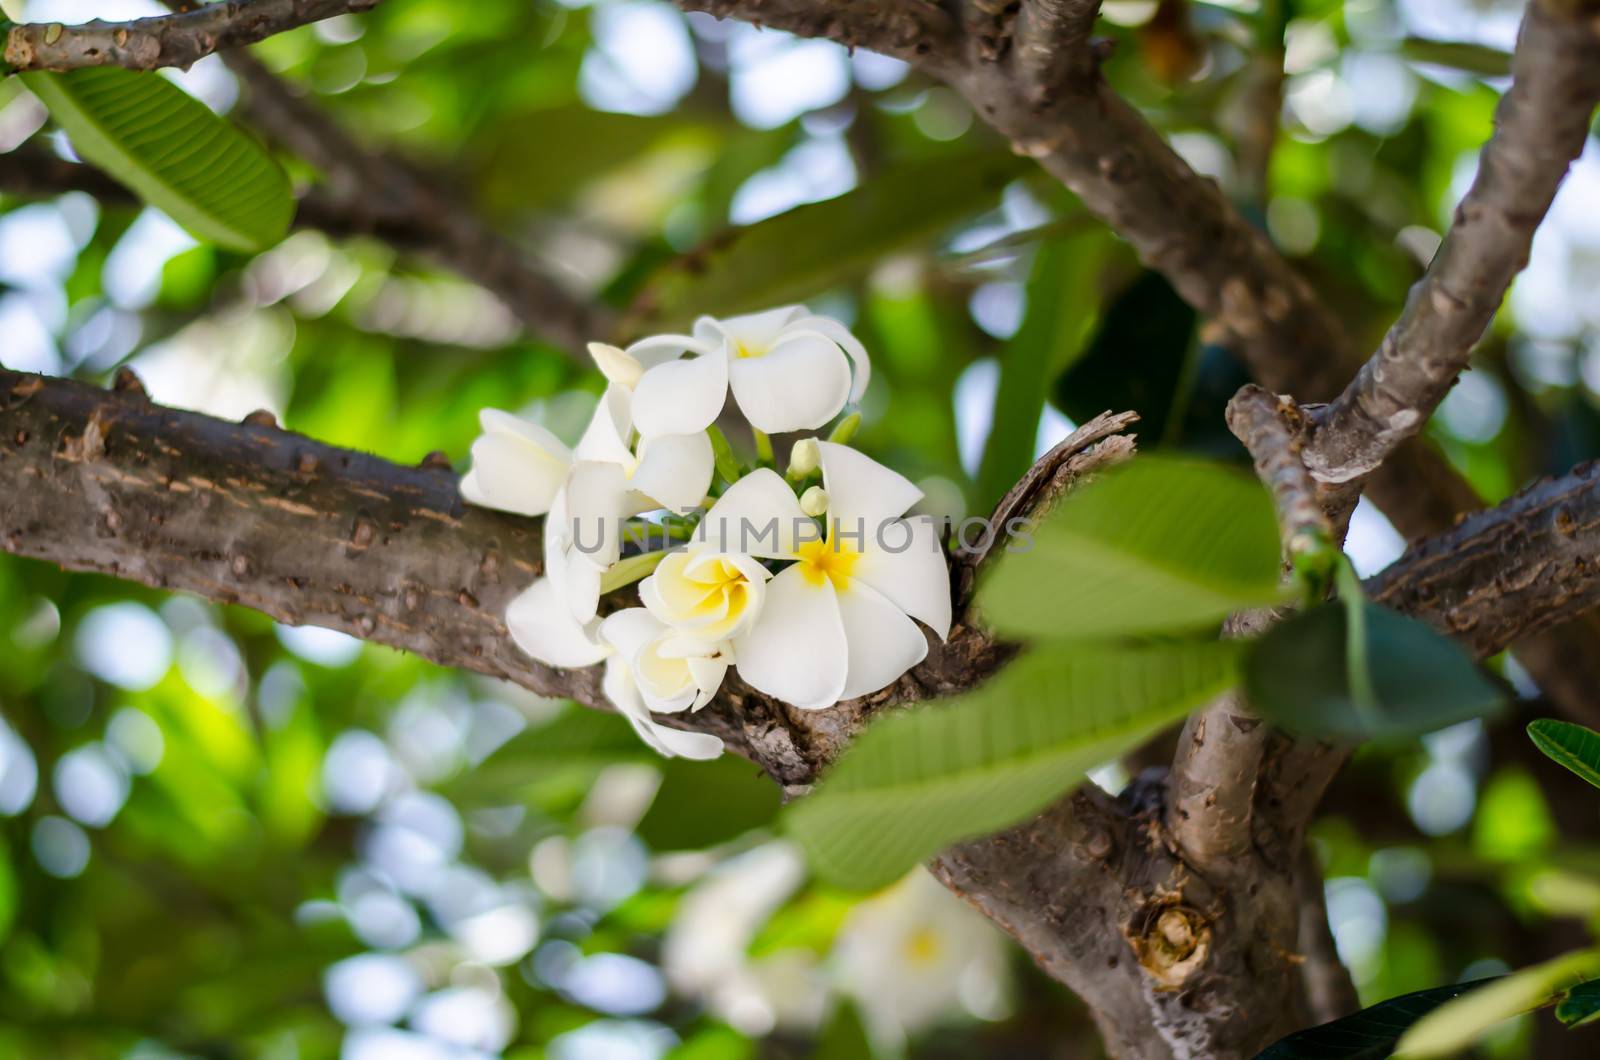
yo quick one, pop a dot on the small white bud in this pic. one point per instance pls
(804, 458)
(814, 501)
(616, 365)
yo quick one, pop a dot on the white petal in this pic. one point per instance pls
(606, 437)
(796, 651)
(884, 643)
(541, 625)
(862, 493)
(915, 577)
(596, 495)
(657, 349)
(759, 331)
(758, 516)
(517, 466)
(620, 689)
(674, 470)
(852, 345)
(629, 630)
(580, 585)
(708, 675)
(673, 743)
(682, 396)
(798, 386)
(616, 365)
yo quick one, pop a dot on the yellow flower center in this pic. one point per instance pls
(923, 947)
(745, 353)
(832, 560)
(721, 581)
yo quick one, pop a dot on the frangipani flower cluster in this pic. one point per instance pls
(812, 589)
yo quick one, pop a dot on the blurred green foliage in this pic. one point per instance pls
(207, 818)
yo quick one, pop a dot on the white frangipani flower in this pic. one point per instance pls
(914, 955)
(517, 466)
(610, 481)
(837, 623)
(652, 667)
(706, 594)
(787, 368)
(541, 619)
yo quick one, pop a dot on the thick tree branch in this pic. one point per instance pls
(918, 31)
(163, 40)
(1506, 572)
(1052, 38)
(1540, 128)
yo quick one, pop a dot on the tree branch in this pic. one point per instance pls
(1540, 128)
(917, 31)
(1052, 38)
(1271, 428)
(163, 40)
(386, 192)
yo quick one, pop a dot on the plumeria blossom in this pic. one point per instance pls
(814, 591)
(541, 620)
(787, 368)
(652, 667)
(705, 593)
(838, 622)
(517, 466)
(610, 481)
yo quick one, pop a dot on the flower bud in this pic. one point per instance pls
(804, 458)
(616, 365)
(814, 501)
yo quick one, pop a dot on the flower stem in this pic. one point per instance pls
(630, 570)
(763, 448)
(727, 464)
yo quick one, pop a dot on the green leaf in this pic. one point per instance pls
(805, 251)
(1451, 1028)
(537, 159)
(1062, 291)
(1299, 676)
(1573, 746)
(1161, 545)
(1369, 1034)
(845, 1037)
(1139, 359)
(173, 152)
(1581, 1005)
(703, 804)
(918, 781)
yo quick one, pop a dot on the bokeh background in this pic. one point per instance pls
(224, 838)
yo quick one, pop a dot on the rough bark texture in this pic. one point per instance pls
(1529, 554)
(1097, 889)
(1540, 128)
(250, 514)
(164, 40)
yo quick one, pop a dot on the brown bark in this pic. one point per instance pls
(1175, 959)
(164, 40)
(1540, 128)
